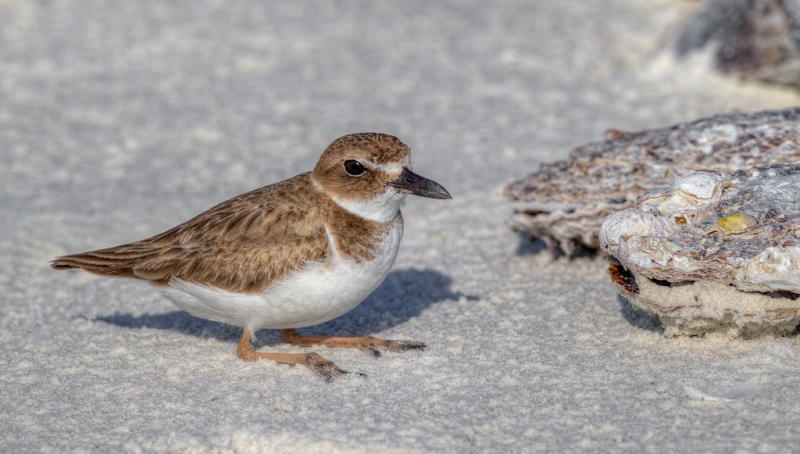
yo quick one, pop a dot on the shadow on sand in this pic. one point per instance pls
(533, 246)
(403, 295)
(528, 245)
(638, 318)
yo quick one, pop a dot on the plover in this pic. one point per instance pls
(289, 255)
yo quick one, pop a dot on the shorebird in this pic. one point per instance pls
(289, 255)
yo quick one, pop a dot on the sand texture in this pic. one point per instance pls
(121, 119)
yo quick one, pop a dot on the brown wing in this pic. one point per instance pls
(241, 245)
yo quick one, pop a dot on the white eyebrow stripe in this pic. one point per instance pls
(391, 168)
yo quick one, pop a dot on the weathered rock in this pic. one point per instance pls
(752, 38)
(565, 202)
(713, 251)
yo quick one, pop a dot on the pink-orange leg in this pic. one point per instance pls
(327, 369)
(370, 344)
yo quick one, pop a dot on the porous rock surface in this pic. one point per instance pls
(713, 251)
(565, 202)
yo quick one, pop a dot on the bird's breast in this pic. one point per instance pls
(314, 294)
(325, 290)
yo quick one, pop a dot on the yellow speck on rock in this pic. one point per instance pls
(735, 222)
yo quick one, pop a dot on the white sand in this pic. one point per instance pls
(120, 119)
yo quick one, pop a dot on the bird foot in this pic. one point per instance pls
(367, 343)
(326, 369)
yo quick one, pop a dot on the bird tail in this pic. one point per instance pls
(113, 262)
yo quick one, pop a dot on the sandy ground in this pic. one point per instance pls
(120, 119)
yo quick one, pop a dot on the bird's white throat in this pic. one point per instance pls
(381, 208)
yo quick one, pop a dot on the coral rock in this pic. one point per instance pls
(753, 38)
(713, 251)
(565, 202)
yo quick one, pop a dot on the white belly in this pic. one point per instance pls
(320, 292)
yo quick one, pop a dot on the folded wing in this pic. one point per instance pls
(242, 245)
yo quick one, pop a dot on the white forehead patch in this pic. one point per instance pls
(390, 168)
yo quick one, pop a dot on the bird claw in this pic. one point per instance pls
(328, 370)
(375, 346)
(403, 345)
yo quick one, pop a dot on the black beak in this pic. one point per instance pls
(418, 185)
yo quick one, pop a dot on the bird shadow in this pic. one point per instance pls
(403, 295)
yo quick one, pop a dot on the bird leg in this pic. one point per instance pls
(368, 343)
(327, 369)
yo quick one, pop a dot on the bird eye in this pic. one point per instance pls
(354, 168)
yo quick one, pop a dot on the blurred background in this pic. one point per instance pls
(122, 118)
(131, 100)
